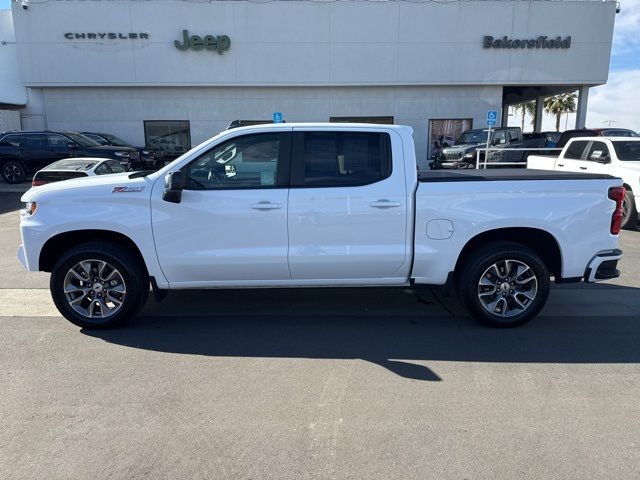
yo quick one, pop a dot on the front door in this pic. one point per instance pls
(230, 226)
(348, 207)
(597, 159)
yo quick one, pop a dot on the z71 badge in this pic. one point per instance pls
(127, 189)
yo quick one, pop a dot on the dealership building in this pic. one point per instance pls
(174, 73)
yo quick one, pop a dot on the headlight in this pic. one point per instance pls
(147, 152)
(122, 154)
(469, 155)
(29, 208)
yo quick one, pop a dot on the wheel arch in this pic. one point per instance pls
(543, 243)
(60, 243)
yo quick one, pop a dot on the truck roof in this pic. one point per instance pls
(323, 125)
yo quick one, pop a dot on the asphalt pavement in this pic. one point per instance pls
(319, 384)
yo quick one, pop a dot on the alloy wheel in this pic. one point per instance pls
(507, 288)
(95, 289)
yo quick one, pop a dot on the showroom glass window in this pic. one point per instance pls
(340, 159)
(376, 120)
(250, 161)
(172, 136)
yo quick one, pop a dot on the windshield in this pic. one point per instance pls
(627, 151)
(96, 138)
(118, 142)
(81, 140)
(473, 136)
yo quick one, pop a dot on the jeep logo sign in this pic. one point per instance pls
(540, 42)
(219, 43)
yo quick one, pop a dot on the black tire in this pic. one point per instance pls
(476, 268)
(630, 218)
(13, 172)
(131, 271)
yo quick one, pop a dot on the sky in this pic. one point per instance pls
(619, 99)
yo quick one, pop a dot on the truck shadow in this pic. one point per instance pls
(403, 343)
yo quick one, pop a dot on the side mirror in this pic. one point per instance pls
(72, 145)
(174, 183)
(605, 159)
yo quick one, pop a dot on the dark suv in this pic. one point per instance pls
(594, 132)
(150, 157)
(23, 153)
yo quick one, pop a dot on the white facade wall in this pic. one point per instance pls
(210, 109)
(314, 42)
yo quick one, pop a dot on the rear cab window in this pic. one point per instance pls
(52, 176)
(340, 158)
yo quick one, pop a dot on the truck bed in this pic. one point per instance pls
(503, 174)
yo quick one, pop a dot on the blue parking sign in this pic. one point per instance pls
(492, 117)
(277, 117)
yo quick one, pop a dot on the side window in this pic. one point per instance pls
(513, 136)
(13, 141)
(114, 166)
(251, 161)
(102, 169)
(500, 137)
(36, 140)
(575, 150)
(58, 141)
(340, 159)
(598, 151)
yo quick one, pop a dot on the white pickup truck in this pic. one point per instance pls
(322, 205)
(617, 156)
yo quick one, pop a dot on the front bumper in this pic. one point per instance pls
(603, 266)
(22, 257)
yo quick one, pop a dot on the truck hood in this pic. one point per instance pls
(102, 185)
(460, 148)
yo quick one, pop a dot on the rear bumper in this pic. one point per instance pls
(603, 266)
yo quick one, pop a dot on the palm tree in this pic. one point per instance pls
(559, 104)
(526, 107)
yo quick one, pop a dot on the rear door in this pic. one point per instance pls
(573, 156)
(348, 207)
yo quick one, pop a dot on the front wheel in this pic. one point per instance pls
(503, 284)
(99, 285)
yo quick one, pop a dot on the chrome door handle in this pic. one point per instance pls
(266, 206)
(384, 204)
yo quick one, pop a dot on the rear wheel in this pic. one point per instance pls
(13, 172)
(503, 284)
(629, 212)
(99, 285)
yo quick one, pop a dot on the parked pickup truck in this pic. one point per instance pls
(464, 153)
(322, 205)
(617, 156)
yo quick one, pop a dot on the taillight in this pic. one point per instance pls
(617, 194)
(36, 182)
